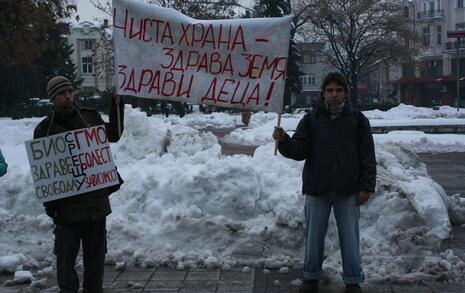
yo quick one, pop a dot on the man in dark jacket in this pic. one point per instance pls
(83, 216)
(340, 171)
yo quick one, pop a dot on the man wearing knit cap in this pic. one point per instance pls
(81, 217)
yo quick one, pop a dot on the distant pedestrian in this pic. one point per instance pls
(3, 165)
(245, 115)
(83, 216)
(164, 108)
(340, 172)
(179, 108)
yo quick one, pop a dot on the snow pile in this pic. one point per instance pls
(9, 263)
(262, 124)
(421, 142)
(457, 209)
(199, 120)
(261, 127)
(400, 172)
(191, 207)
(23, 277)
(412, 112)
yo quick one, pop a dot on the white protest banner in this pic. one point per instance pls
(163, 54)
(71, 163)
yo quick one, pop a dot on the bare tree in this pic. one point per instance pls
(102, 55)
(200, 9)
(359, 34)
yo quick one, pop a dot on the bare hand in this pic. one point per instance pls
(279, 134)
(116, 99)
(362, 197)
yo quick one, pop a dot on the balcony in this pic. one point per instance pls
(430, 14)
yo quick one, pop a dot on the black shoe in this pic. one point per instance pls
(353, 288)
(309, 286)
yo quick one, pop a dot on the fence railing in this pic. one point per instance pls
(430, 14)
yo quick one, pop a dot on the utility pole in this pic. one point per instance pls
(412, 3)
(457, 34)
(457, 69)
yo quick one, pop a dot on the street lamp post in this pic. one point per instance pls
(457, 73)
(414, 35)
(457, 34)
(412, 3)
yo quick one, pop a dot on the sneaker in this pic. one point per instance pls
(309, 286)
(353, 288)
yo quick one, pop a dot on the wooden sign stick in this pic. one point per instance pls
(276, 141)
(118, 115)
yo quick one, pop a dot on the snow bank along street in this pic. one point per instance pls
(185, 205)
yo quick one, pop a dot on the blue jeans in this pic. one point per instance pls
(347, 213)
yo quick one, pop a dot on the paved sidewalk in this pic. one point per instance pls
(447, 169)
(164, 280)
(237, 280)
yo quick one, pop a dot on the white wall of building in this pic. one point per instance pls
(90, 56)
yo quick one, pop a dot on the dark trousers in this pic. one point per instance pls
(67, 242)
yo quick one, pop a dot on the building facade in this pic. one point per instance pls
(431, 79)
(314, 69)
(377, 87)
(93, 56)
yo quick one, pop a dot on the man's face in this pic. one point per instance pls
(334, 94)
(64, 100)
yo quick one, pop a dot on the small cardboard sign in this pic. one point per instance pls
(71, 163)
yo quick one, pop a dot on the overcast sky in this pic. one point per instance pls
(87, 11)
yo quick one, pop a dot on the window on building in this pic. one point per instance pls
(460, 26)
(424, 8)
(426, 36)
(459, 3)
(87, 65)
(308, 81)
(439, 35)
(406, 12)
(87, 44)
(309, 58)
(431, 68)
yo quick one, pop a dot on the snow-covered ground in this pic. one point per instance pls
(411, 112)
(193, 207)
(262, 124)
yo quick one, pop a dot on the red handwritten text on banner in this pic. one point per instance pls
(163, 54)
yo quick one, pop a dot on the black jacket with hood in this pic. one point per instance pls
(339, 154)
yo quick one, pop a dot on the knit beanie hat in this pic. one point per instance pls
(56, 85)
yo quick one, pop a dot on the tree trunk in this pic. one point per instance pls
(353, 91)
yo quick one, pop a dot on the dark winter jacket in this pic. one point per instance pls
(339, 154)
(88, 206)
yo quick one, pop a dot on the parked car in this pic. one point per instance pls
(43, 103)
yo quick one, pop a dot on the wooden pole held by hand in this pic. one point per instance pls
(118, 115)
(276, 141)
